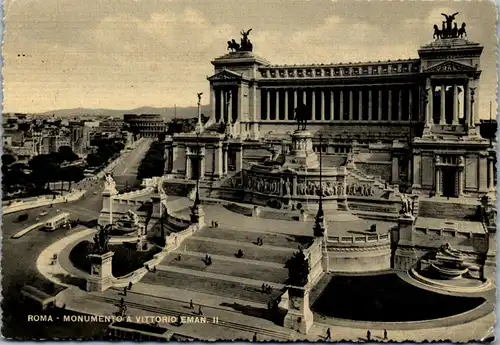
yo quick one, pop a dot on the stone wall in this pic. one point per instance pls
(39, 202)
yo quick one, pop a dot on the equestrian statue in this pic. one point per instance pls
(301, 116)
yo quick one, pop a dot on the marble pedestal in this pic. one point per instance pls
(101, 273)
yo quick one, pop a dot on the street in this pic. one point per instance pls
(19, 255)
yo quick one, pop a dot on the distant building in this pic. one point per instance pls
(145, 125)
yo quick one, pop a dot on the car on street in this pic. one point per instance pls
(43, 213)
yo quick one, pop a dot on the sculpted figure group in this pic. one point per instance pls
(449, 29)
(311, 188)
(262, 185)
(244, 46)
(360, 190)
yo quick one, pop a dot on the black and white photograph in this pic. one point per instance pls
(249, 170)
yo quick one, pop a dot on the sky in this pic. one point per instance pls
(123, 54)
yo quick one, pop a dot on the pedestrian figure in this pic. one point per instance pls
(154, 269)
(239, 254)
(191, 306)
(122, 301)
(261, 242)
(385, 334)
(199, 310)
(368, 335)
(125, 291)
(263, 287)
(254, 337)
(269, 289)
(147, 267)
(328, 335)
(130, 285)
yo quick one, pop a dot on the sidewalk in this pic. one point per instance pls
(56, 273)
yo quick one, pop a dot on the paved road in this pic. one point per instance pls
(19, 255)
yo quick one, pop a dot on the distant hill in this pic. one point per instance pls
(169, 113)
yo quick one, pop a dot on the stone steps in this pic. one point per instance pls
(227, 266)
(189, 280)
(447, 210)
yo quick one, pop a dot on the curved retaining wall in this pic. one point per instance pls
(350, 254)
(17, 206)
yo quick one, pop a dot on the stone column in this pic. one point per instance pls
(442, 117)
(286, 104)
(201, 166)
(331, 106)
(395, 170)
(268, 105)
(400, 105)
(455, 104)
(239, 107)
(389, 105)
(304, 96)
(410, 104)
(187, 174)
(467, 107)
(360, 105)
(277, 105)
(417, 161)
(222, 95)
(313, 105)
(294, 185)
(230, 106)
(437, 177)
(294, 99)
(239, 159)
(322, 99)
(341, 105)
(460, 175)
(429, 108)
(379, 105)
(491, 173)
(483, 173)
(370, 110)
(218, 161)
(225, 161)
(213, 101)
(350, 105)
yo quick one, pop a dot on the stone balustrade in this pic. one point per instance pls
(359, 238)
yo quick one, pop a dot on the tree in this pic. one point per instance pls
(298, 269)
(8, 159)
(66, 154)
(44, 170)
(72, 174)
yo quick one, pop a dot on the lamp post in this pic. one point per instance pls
(199, 124)
(198, 168)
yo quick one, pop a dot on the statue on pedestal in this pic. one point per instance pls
(406, 209)
(301, 116)
(101, 240)
(109, 183)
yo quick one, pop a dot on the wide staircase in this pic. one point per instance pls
(228, 275)
(448, 210)
(178, 188)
